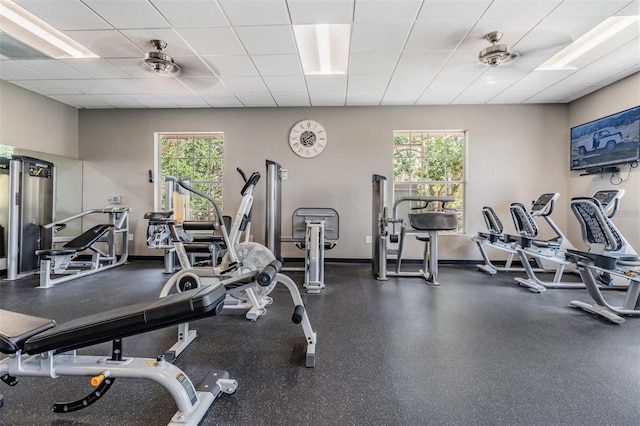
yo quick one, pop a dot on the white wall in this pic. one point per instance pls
(515, 153)
(31, 121)
(619, 96)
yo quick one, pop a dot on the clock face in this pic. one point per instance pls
(308, 138)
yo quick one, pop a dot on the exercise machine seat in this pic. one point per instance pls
(491, 219)
(129, 320)
(17, 328)
(433, 221)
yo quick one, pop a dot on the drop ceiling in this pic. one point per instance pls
(242, 53)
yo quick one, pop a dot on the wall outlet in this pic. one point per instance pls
(115, 199)
(368, 239)
(130, 237)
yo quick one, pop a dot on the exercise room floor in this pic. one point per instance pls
(478, 350)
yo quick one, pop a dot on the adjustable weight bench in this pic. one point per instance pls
(38, 347)
(61, 261)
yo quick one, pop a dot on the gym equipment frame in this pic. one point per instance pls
(425, 227)
(244, 294)
(37, 347)
(60, 261)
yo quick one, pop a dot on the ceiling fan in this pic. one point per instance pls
(496, 54)
(159, 62)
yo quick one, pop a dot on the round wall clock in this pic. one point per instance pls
(308, 138)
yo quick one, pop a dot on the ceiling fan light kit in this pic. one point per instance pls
(495, 54)
(159, 62)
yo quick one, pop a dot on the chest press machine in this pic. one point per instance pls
(390, 232)
(38, 347)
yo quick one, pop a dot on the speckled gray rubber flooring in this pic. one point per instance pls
(478, 350)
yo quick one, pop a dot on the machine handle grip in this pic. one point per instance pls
(298, 314)
(268, 274)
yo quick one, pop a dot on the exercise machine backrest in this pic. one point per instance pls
(524, 220)
(493, 222)
(596, 227)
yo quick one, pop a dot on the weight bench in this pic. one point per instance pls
(60, 261)
(38, 347)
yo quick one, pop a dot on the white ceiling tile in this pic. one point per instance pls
(475, 96)
(587, 8)
(586, 77)
(119, 101)
(176, 47)
(267, 40)
(631, 9)
(256, 99)
(65, 14)
(187, 101)
(513, 95)
(212, 41)
(464, 59)
(106, 43)
(245, 84)
(206, 86)
(81, 101)
(464, 10)
(385, 11)
(368, 83)
(408, 84)
(394, 97)
(378, 37)
(538, 9)
(165, 86)
(541, 79)
(256, 12)
(290, 83)
(554, 94)
(128, 14)
(329, 83)
(438, 35)
(513, 30)
(9, 70)
(291, 99)
(191, 13)
(435, 95)
(282, 65)
(90, 87)
(96, 68)
(52, 69)
(223, 101)
(422, 62)
(327, 98)
(320, 11)
(193, 66)
(47, 87)
(364, 98)
(500, 77)
(240, 66)
(373, 62)
(125, 86)
(153, 101)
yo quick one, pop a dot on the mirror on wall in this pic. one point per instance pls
(68, 193)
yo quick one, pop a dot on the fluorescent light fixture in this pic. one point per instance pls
(34, 32)
(323, 48)
(596, 38)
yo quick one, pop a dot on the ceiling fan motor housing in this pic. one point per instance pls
(159, 62)
(494, 55)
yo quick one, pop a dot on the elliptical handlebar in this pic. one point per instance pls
(249, 183)
(185, 185)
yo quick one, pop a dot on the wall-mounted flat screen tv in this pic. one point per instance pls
(614, 139)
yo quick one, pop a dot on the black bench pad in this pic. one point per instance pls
(129, 320)
(86, 239)
(16, 328)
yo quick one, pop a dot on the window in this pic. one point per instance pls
(197, 157)
(429, 164)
